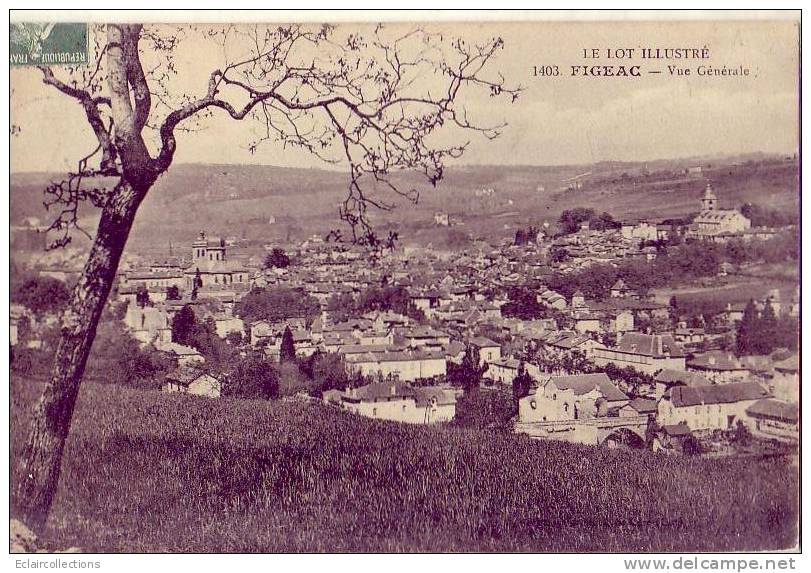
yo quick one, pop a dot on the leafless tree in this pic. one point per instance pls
(378, 103)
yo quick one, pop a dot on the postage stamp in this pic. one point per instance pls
(32, 44)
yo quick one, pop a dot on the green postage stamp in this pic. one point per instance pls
(50, 44)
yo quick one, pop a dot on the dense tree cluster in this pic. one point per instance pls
(469, 373)
(327, 370)
(252, 377)
(33, 361)
(41, 295)
(384, 298)
(522, 303)
(202, 335)
(117, 358)
(695, 310)
(761, 216)
(341, 306)
(558, 255)
(277, 258)
(522, 383)
(485, 410)
(673, 265)
(571, 219)
(391, 298)
(526, 236)
(277, 303)
(287, 350)
(763, 332)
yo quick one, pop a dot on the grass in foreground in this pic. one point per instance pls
(146, 472)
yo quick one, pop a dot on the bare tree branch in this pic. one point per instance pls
(373, 103)
(370, 106)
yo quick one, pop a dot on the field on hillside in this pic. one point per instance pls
(144, 471)
(731, 289)
(242, 200)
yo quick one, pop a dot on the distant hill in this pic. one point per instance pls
(274, 203)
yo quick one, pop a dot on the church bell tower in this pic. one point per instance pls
(709, 202)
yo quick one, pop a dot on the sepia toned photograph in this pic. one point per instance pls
(412, 282)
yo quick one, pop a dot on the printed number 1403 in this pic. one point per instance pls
(545, 71)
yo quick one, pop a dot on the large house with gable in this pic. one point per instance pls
(397, 401)
(708, 408)
(646, 353)
(389, 362)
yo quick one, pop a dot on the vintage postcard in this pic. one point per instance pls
(348, 282)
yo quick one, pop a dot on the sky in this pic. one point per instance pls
(556, 120)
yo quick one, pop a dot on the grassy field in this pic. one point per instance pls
(146, 472)
(732, 289)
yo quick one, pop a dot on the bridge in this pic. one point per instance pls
(609, 430)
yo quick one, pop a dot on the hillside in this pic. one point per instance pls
(272, 203)
(145, 471)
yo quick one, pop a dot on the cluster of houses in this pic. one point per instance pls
(634, 238)
(691, 395)
(590, 246)
(455, 304)
(460, 299)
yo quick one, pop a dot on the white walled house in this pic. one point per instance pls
(709, 408)
(196, 384)
(622, 322)
(186, 355)
(261, 330)
(226, 324)
(424, 337)
(152, 280)
(398, 402)
(405, 366)
(667, 379)
(785, 382)
(775, 419)
(641, 230)
(645, 352)
(503, 371)
(489, 351)
(564, 342)
(376, 337)
(435, 405)
(146, 323)
(585, 322)
(718, 367)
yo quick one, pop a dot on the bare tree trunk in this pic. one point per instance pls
(52, 415)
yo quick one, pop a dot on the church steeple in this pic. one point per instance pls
(709, 202)
(199, 247)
